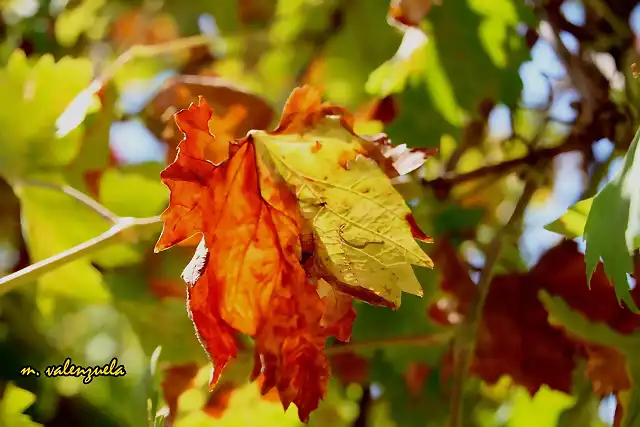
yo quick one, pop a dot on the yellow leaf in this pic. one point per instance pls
(360, 222)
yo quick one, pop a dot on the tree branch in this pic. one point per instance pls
(602, 8)
(465, 342)
(71, 117)
(420, 340)
(121, 229)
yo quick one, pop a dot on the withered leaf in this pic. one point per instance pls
(246, 275)
(363, 230)
(237, 109)
(265, 267)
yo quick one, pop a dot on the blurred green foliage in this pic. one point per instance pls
(75, 92)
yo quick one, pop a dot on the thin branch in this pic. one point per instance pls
(415, 341)
(504, 168)
(465, 343)
(78, 195)
(134, 52)
(121, 229)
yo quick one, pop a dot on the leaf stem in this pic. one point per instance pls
(121, 229)
(465, 341)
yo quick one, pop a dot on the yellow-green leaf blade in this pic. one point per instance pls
(359, 220)
(571, 223)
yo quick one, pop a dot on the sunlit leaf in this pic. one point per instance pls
(14, 401)
(612, 231)
(571, 224)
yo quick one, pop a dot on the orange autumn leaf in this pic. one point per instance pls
(261, 268)
(304, 109)
(246, 275)
(219, 400)
(362, 232)
(607, 369)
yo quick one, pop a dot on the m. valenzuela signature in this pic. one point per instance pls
(68, 369)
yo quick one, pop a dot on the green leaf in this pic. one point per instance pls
(35, 94)
(131, 191)
(419, 97)
(612, 231)
(94, 154)
(347, 39)
(452, 218)
(15, 401)
(362, 43)
(571, 223)
(561, 314)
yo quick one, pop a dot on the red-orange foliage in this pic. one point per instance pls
(515, 337)
(247, 276)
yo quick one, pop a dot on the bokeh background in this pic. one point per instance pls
(484, 81)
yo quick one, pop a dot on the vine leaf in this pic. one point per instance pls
(514, 320)
(249, 273)
(254, 283)
(612, 230)
(30, 143)
(364, 234)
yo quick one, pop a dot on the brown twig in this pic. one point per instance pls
(365, 405)
(124, 227)
(415, 341)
